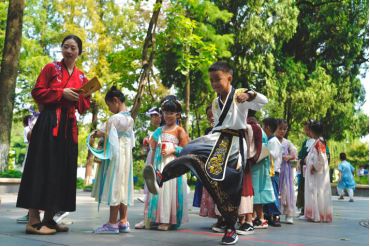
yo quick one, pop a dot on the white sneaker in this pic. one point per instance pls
(60, 216)
(289, 219)
(301, 217)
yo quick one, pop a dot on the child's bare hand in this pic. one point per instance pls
(97, 133)
(168, 150)
(242, 97)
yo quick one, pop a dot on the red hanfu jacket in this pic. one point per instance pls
(48, 90)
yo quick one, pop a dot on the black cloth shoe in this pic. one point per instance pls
(230, 237)
(152, 179)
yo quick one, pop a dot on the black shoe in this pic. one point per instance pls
(274, 221)
(245, 229)
(230, 237)
(152, 179)
(219, 226)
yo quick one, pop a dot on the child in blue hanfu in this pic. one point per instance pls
(114, 179)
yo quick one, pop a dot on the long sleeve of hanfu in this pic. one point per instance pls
(257, 103)
(321, 156)
(120, 122)
(275, 148)
(42, 92)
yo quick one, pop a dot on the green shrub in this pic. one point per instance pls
(80, 183)
(11, 174)
(138, 172)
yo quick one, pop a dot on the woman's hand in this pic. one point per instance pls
(70, 94)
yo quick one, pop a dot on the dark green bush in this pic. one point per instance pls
(11, 174)
(80, 183)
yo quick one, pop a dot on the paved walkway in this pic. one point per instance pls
(350, 227)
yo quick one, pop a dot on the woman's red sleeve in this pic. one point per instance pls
(42, 92)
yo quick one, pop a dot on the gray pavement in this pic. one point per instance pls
(350, 227)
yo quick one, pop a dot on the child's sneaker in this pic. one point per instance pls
(219, 226)
(124, 228)
(23, 219)
(245, 229)
(107, 229)
(230, 237)
(260, 224)
(152, 179)
(351, 200)
(58, 217)
(289, 219)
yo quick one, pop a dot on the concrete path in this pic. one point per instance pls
(350, 227)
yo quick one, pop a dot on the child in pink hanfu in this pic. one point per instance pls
(168, 208)
(318, 206)
(289, 152)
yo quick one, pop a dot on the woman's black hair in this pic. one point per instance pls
(171, 104)
(271, 123)
(114, 92)
(221, 66)
(343, 156)
(317, 128)
(75, 38)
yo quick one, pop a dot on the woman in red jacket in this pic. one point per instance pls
(49, 178)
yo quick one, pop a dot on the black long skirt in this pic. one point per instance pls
(49, 178)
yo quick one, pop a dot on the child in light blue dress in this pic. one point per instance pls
(346, 179)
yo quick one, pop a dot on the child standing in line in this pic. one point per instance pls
(346, 180)
(169, 207)
(289, 152)
(114, 179)
(318, 206)
(272, 210)
(262, 186)
(155, 121)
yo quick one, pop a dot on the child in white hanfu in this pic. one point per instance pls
(286, 186)
(318, 206)
(114, 180)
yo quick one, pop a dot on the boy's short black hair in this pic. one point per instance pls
(221, 66)
(114, 92)
(281, 121)
(342, 156)
(271, 123)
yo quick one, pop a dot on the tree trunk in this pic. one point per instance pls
(8, 75)
(187, 102)
(147, 58)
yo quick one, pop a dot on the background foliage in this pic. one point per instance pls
(306, 56)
